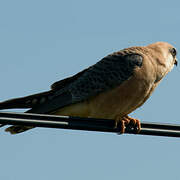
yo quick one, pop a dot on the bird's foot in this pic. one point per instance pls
(128, 123)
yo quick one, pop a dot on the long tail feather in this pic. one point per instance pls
(25, 102)
(45, 103)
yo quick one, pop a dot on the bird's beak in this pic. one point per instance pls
(176, 62)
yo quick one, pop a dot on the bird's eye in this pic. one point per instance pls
(173, 52)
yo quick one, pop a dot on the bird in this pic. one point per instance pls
(110, 89)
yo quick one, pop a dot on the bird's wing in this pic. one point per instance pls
(64, 82)
(106, 74)
(39, 98)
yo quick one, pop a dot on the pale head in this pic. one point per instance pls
(164, 57)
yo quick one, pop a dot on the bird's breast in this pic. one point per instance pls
(121, 100)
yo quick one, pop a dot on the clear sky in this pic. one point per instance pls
(44, 41)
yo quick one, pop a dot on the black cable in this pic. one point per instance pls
(88, 124)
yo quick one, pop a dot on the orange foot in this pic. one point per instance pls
(128, 123)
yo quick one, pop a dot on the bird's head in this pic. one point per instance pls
(164, 58)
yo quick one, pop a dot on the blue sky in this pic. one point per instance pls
(44, 41)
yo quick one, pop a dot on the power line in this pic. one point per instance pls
(87, 124)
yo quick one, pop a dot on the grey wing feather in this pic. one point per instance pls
(56, 102)
(108, 73)
(64, 82)
(104, 75)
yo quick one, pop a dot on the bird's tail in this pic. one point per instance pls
(16, 129)
(42, 103)
(23, 102)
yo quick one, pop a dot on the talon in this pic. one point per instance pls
(129, 123)
(138, 126)
(123, 127)
(121, 124)
(134, 125)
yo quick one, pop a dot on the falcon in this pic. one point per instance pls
(110, 89)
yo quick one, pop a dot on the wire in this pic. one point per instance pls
(88, 124)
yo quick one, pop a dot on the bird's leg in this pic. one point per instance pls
(127, 123)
